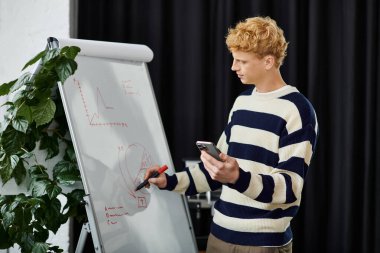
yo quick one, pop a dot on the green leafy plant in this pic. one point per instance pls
(35, 124)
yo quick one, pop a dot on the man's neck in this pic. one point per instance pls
(272, 82)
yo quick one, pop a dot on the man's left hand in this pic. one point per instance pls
(225, 171)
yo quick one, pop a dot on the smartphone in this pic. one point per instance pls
(210, 148)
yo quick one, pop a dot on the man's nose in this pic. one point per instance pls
(234, 66)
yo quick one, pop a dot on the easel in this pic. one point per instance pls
(86, 228)
(53, 43)
(117, 63)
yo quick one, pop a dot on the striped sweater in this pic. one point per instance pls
(272, 135)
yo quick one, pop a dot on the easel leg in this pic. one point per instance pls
(82, 238)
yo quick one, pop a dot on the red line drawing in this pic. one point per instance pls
(95, 118)
(141, 202)
(133, 161)
(99, 101)
(129, 88)
(114, 214)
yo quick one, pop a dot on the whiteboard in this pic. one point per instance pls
(117, 132)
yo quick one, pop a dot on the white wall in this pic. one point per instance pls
(24, 27)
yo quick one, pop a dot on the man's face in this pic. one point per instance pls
(249, 68)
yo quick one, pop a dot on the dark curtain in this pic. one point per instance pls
(333, 59)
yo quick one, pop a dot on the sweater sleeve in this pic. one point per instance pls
(195, 179)
(192, 181)
(284, 184)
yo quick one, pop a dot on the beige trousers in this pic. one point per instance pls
(215, 245)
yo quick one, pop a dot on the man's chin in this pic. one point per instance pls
(244, 82)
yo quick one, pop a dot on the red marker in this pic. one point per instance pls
(155, 174)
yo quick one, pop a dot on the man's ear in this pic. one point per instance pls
(269, 62)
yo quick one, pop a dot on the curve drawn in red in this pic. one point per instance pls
(133, 161)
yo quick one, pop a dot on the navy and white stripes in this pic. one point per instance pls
(273, 136)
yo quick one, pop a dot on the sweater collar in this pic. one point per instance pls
(274, 94)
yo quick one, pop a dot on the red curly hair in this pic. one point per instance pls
(259, 35)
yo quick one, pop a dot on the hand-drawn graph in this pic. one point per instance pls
(133, 161)
(98, 109)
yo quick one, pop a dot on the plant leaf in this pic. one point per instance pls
(26, 155)
(27, 241)
(65, 68)
(19, 173)
(5, 241)
(53, 190)
(45, 79)
(39, 187)
(13, 232)
(38, 172)
(8, 219)
(11, 112)
(53, 215)
(5, 170)
(21, 81)
(2, 155)
(64, 167)
(20, 124)
(66, 173)
(55, 249)
(8, 103)
(5, 87)
(68, 179)
(74, 198)
(26, 112)
(50, 54)
(4, 125)
(34, 59)
(14, 160)
(44, 112)
(17, 200)
(3, 200)
(70, 154)
(41, 234)
(35, 203)
(70, 52)
(50, 144)
(12, 140)
(74, 206)
(33, 135)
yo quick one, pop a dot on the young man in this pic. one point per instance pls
(266, 149)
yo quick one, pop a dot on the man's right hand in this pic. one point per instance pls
(159, 181)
